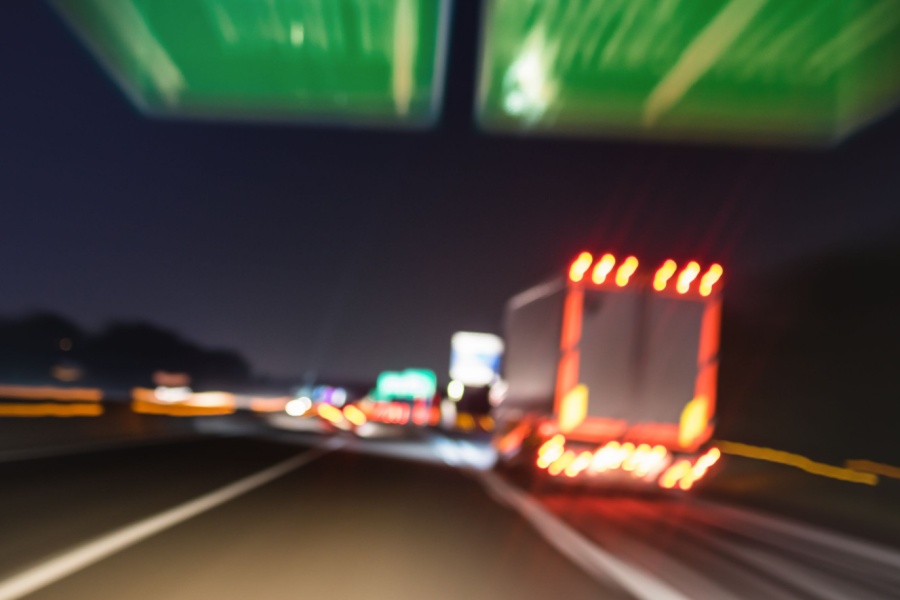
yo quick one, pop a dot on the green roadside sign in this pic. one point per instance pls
(409, 384)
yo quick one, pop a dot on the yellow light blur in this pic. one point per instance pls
(580, 266)
(635, 458)
(709, 279)
(49, 409)
(604, 268)
(178, 410)
(330, 413)
(694, 421)
(620, 454)
(687, 276)
(465, 421)
(143, 395)
(798, 461)
(354, 415)
(573, 408)
(561, 463)
(181, 399)
(579, 464)
(877, 468)
(711, 457)
(663, 274)
(212, 400)
(604, 457)
(557, 441)
(650, 461)
(699, 469)
(167, 394)
(674, 473)
(24, 392)
(548, 457)
(626, 271)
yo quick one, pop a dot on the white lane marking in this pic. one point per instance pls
(594, 560)
(816, 582)
(762, 526)
(856, 568)
(79, 557)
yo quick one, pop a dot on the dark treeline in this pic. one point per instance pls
(45, 347)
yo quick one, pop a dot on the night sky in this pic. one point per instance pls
(352, 251)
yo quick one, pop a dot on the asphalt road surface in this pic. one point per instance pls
(299, 515)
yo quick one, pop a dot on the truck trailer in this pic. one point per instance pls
(610, 374)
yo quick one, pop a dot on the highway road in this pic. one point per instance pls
(295, 515)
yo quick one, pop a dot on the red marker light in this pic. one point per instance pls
(604, 267)
(582, 462)
(626, 271)
(674, 473)
(709, 279)
(557, 441)
(560, 464)
(580, 266)
(663, 274)
(688, 275)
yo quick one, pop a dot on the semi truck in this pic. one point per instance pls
(610, 374)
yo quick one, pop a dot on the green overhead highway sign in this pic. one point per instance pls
(408, 384)
(793, 71)
(347, 61)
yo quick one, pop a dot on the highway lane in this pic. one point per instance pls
(696, 545)
(412, 518)
(50, 504)
(710, 550)
(348, 525)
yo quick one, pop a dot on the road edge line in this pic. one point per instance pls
(810, 533)
(84, 555)
(596, 562)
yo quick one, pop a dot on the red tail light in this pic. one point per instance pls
(674, 473)
(626, 271)
(560, 464)
(663, 274)
(684, 474)
(580, 266)
(688, 275)
(550, 451)
(709, 279)
(578, 465)
(603, 268)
